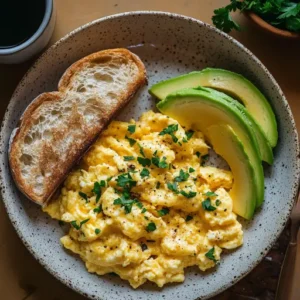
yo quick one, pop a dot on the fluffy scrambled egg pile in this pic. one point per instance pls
(143, 204)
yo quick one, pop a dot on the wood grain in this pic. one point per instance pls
(21, 277)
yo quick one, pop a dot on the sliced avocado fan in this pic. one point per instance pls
(201, 109)
(227, 144)
(232, 84)
(264, 146)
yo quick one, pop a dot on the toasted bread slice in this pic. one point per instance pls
(57, 128)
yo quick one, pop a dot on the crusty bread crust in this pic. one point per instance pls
(48, 156)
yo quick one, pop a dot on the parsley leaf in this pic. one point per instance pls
(211, 255)
(198, 154)
(84, 196)
(98, 209)
(151, 227)
(189, 134)
(144, 210)
(210, 194)
(188, 218)
(128, 158)
(157, 185)
(222, 19)
(131, 128)
(173, 187)
(145, 173)
(189, 194)
(206, 204)
(164, 211)
(125, 181)
(145, 162)
(126, 202)
(141, 150)
(76, 226)
(183, 176)
(191, 170)
(160, 163)
(97, 231)
(170, 131)
(218, 202)
(97, 189)
(130, 140)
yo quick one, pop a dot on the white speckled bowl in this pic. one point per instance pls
(169, 45)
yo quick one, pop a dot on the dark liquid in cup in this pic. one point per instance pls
(19, 20)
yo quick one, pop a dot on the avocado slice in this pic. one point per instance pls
(200, 109)
(264, 146)
(232, 84)
(226, 143)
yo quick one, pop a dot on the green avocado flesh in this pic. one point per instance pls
(201, 109)
(264, 146)
(232, 84)
(226, 143)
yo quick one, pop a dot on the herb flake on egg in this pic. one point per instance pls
(206, 204)
(151, 227)
(131, 128)
(170, 131)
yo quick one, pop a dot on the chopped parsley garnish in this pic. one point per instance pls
(125, 181)
(191, 170)
(160, 163)
(141, 150)
(128, 158)
(126, 202)
(98, 209)
(204, 159)
(109, 179)
(218, 202)
(131, 128)
(183, 176)
(61, 223)
(173, 187)
(211, 255)
(76, 226)
(130, 140)
(188, 218)
(206, 204)
(157, 185)
(189, 134)
(164, 211)
(145, 173)
(97, 189)
(189, 194)
(139, 204)
(198, 154)
(170, 130)
(151, 227)
(144, 210)
(84, 196)
(97, 231)
(144, 246)
(145, 162)
(211, 194)
(146, 218)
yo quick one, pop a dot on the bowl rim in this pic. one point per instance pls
(270, 28)
(46, 19)
(175, 16)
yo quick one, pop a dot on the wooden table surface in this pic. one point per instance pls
(21, 277)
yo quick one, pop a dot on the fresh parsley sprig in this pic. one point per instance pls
(284, 14)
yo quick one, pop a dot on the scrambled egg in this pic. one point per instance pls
(143, 204)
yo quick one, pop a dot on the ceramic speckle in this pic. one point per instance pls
(169, 45)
